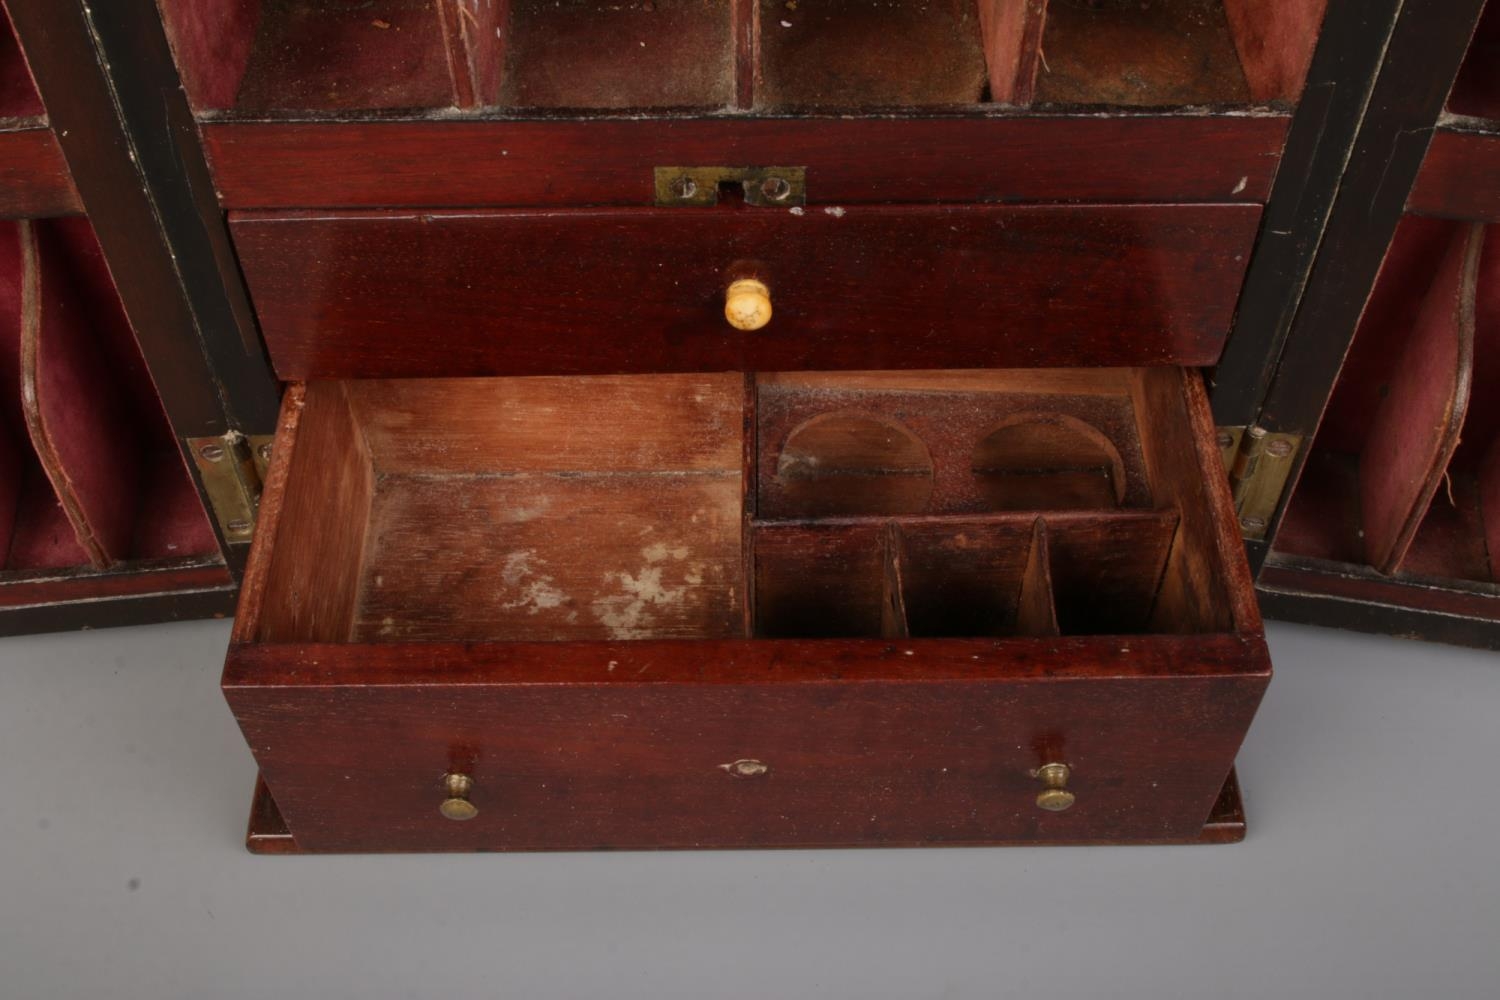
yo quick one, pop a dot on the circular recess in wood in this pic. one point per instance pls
(850, 462)
(1048, 461)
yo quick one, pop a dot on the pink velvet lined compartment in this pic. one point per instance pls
(92, 473)
(72, 397)
(1476, 92)
(18, 96)
(33, 527)
(1461, 526)
(1416, 429)
(1409, 450)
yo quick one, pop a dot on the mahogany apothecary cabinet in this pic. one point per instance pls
(743, 422)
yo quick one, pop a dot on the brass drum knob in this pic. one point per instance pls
(1055, 797)
(747, 304)
(457, 805)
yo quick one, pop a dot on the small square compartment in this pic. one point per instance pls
(583, 593)
(278, 56)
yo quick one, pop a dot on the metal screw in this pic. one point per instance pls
(238, 527)
(1225, 439)
(212, 452)
(775, 188)
(1253, 523)
(684, 187)
(1280, 448)
(264, 451)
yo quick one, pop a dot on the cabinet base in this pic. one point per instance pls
(268, 833)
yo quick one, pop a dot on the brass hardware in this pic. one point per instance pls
(1055, 797)
(747, 304)
(1259, 466)
(764, 187)
(1229, 445)
(457, 805)
(745, 768)
(231, 470)
(262, 448)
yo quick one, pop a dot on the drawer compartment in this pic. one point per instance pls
(583, 291)
(726, 610)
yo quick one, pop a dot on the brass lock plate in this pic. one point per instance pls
(765, 187)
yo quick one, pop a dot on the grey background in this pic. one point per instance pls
(1371, 869)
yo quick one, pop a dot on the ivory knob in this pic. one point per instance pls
(747, 304)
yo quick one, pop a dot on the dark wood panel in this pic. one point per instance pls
(137, 579)
(1329, 114)
(1340, 595)
(354, 295)
(157, 604)
(1460, 177)
(924, 742)
(34, 178)
(535, 162)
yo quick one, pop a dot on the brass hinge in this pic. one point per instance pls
(232, 469)
(765, 187)
(1258, 463)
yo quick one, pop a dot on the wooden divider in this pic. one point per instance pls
(35, 531)
(1033, 574)
(1414, 432)
(1012, 47)
(73, 403)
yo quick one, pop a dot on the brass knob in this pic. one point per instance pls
(1055, 797)
(747, 304)
(457, 805)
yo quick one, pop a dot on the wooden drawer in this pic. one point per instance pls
(720, 610)
(344, 294)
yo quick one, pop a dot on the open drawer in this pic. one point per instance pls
(730, 610)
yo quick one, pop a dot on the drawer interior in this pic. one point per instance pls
(267, 56)
(91, 478)
(852, 505)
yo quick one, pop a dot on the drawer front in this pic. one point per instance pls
(738, 744)
(388, 294)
